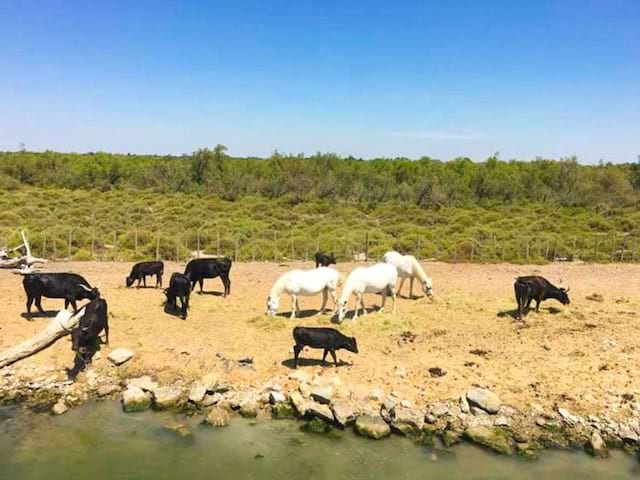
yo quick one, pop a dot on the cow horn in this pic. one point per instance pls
(85, 287)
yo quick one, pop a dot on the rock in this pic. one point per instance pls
(372, 427)
(450, 438)
(501, 421)
(596, 446)
(322, 394)
(478, 412)
(407, 421)
(134, 399)
(120, 356)
(389, 403)
(375, 395)
(106, 390)
(439, 409)
(197, 393)
(628, 435)
(282, 410)
(209, 382)
(60, 408)
(317, 425)
(276, 397)
(305, 389)
(212, 399)
(249, 409)
(540, 421)
(464, 404)
(320, 410)
(144, 383)
(179, 429)
(484, 399)
(299, 403)
(567, 416)
(217, 417)
(343, 413)
(167, 397)
(493, 438)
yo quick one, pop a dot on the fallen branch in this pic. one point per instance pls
(60, 326)
(27, 260)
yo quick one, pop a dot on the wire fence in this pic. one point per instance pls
(364, 245)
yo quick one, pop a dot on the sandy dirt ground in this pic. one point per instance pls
(583, 355)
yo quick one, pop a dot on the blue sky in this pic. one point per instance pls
(370, 78)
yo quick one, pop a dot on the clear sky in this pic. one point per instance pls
(368, 78)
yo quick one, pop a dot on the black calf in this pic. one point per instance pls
(179, 287)
(536, 288)
(325, 259)
(328, 339)
(142, 270)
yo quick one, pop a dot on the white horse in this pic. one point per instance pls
(304, 283)
(409, 267)
(379, 278)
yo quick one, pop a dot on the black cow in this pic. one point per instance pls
(328, 339)
(179, 287)
(86, 336)
(70, 286)
(201, 268)
(141, 270)
(536, 288)
(325, 259)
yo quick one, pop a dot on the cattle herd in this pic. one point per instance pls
(380, 278)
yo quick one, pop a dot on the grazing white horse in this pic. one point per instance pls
(409, 267)
(304, 283)
(379, 278)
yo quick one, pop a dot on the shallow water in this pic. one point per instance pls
(99, 441)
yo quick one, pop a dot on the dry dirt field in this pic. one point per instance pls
(583, 356)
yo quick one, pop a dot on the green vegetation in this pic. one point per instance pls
(107, 206)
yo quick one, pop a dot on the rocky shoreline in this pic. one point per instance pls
(477, 416)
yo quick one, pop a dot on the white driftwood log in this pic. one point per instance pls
(26, 260)
(60, 326)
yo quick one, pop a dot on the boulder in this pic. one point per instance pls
(134, 399)
(596, 446)
(464, 404)
(299, 403)
(439, 409)
(567, 416)
(106, 390)
(408, 421)
(249, 408)
(493, 438)
(144, 383)
(60, 408)
(375, 395)
(501, 421)
(276, 397)
(322, 393)
(372, 427)
(197, 393)
(319, 410)
(484, 399)
(217, 417)
(167, 397)
(282, 410)
(343, 413)
(120, 356)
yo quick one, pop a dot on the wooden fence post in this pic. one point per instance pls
(93, 243)
(115, 246)
(293, 247)
(44, 246)
(217, 240)
(275, 246)
(69, 246)
(158, 245)
(198, 244)
(135, 243)
(235, 249)
(366, 246)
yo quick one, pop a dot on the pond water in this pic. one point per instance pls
(98, 441)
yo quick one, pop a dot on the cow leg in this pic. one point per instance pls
(401, 284)
(106, 331)
(74, 305)
(39, 304)
(193, 284)
(183, 302)
(201, 282)
(296, 353)
(144, 281)
(538, 300)
(227, 285)
(29, 303)
(324, 357)
(335, 359)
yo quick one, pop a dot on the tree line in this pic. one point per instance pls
(426, 182)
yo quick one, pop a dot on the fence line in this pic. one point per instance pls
(284, 245)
